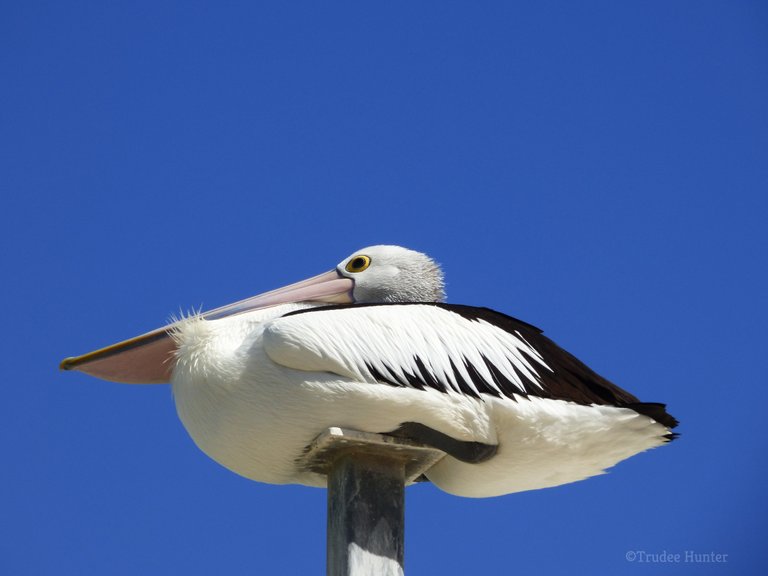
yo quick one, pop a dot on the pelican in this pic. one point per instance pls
(371, 346)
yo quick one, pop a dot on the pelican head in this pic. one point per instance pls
(393, 274)
(373, 274)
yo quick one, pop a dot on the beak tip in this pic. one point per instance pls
(67, 364)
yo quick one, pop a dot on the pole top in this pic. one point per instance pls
(336, 442)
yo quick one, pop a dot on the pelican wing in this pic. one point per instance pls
(451, 348)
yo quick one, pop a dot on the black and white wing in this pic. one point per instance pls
(451, 348)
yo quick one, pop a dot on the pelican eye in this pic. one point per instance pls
(358, 264)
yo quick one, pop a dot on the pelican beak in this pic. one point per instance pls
(150, 358)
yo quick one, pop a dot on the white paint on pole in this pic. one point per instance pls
(365, 563)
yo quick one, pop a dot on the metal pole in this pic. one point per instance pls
(367, 474)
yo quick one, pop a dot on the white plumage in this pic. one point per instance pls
(257, 384)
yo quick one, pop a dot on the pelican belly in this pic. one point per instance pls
(257, 417)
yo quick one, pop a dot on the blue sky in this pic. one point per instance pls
(597, 169)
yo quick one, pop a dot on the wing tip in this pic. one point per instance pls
(658, 412)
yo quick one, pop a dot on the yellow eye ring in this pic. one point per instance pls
(358, 264)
